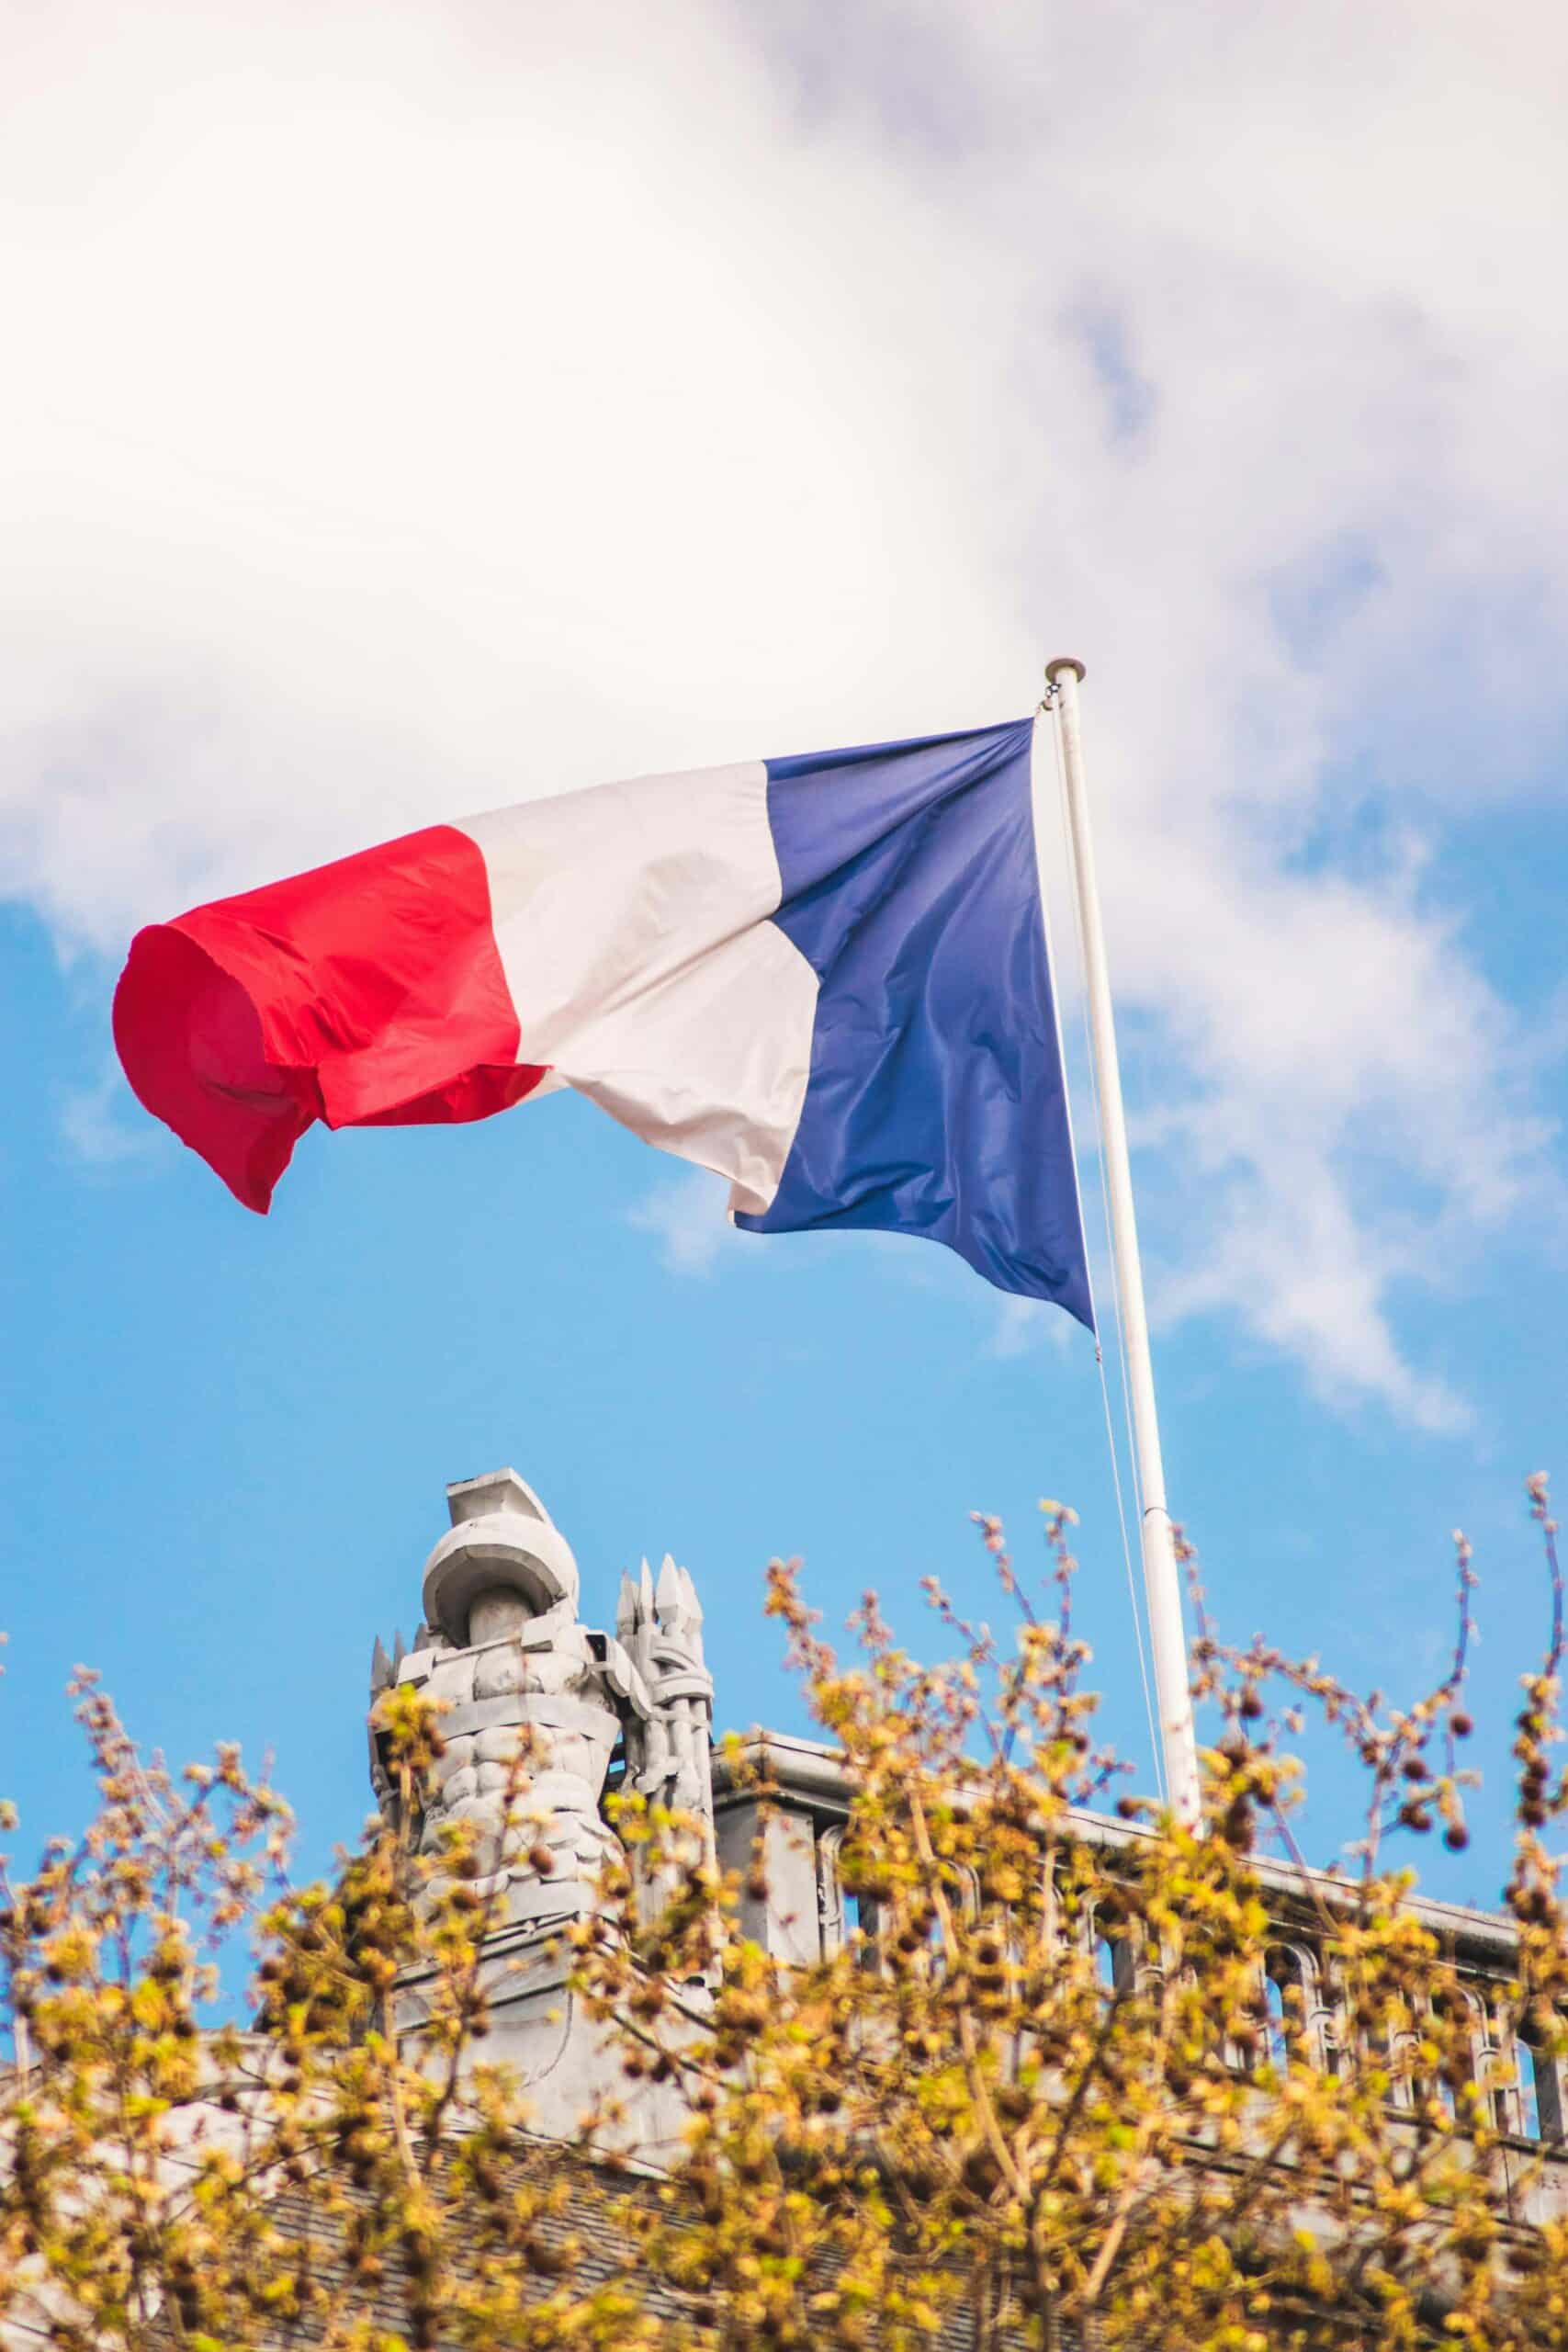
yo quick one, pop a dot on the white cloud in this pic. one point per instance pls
(412, 408)
(92, 1124)
(691, 1220)
(1022, 1324)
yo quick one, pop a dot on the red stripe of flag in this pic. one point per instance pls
(368, 992)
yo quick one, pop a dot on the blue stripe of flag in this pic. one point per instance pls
(937, 1102)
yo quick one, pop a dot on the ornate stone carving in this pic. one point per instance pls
(518, 1673)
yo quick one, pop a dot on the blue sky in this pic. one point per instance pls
(589, 399)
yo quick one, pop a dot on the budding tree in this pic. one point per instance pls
(1058, 2078)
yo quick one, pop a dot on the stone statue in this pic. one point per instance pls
(519, 1675)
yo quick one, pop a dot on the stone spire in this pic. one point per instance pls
(659, 1622)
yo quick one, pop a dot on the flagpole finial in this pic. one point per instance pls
(1064, 661)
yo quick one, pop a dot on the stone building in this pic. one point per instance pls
(504, 1645)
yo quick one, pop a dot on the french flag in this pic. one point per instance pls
(827, 978)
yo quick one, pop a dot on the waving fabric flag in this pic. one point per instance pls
(826, 979)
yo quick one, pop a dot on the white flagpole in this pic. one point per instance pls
(1161, 1583)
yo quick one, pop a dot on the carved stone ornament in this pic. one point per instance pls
(536, 1705)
